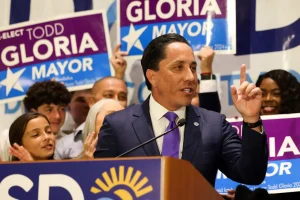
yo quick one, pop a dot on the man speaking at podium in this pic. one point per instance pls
(206, 140)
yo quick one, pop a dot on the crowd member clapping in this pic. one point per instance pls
(281, 92)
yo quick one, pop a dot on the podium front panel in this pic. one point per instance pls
(115, 179)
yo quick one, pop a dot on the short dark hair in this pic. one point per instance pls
(155, 52)
(289, 89)
(46, 92)
(18, 127)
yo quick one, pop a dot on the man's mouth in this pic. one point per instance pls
(188, 90)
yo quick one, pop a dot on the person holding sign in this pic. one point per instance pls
(206, 140)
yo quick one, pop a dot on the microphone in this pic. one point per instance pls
(180, 123)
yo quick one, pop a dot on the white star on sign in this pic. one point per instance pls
(132, 38)
(12, 81)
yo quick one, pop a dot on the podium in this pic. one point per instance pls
(180, 180)
(105, 179)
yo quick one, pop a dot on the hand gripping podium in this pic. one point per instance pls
(144, 178)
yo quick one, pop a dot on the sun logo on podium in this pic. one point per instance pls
(119, 183)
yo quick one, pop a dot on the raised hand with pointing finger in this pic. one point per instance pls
(118, 62)
(247, 99)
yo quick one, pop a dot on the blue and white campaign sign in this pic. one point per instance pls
(283, 173)
(74, 50)
(201, 22)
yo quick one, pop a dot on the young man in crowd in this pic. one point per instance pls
(78, 109)
(51, 99)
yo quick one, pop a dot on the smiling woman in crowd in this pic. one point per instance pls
(281, 92)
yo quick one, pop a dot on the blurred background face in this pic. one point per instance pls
(106, 109)
(39, 139)
(56, 114)
(271, 97)
(111, 88)
(79, 107)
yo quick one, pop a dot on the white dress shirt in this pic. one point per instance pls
(70, 146)
(160, 123)
(208, 86)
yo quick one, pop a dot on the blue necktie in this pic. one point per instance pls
(171, 140)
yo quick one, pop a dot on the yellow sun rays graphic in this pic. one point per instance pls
(129, 179)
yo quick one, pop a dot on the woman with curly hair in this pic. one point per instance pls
(280, 92)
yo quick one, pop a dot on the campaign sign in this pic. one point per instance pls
(283, 173)
(74, 50)
(79, 180)
(201, 22)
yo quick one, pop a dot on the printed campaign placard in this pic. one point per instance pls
(74, 49)
(283, 175)
(201, 22)
(138, 179)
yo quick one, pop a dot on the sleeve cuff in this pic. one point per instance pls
(207, 86)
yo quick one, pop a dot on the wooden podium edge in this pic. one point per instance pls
(180, 180)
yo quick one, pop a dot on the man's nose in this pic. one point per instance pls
(189, 75)
(115, 98)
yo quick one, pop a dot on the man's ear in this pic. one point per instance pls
(150, 74)
(33, 110)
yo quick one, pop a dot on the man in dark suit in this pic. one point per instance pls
(207, 140)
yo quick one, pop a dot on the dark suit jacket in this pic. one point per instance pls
(211, 145)
(210, 101)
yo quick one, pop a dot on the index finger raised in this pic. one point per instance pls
(117, 48)
(243, 74)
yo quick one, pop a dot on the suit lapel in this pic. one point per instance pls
(142, 126)
(192, 133)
